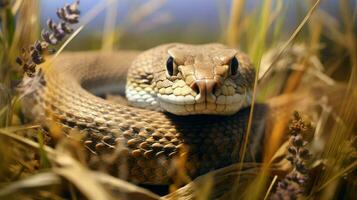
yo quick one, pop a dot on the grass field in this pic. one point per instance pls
(311, 68)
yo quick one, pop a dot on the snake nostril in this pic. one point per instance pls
(214, 88)
(204, 87)
(195, 88)
(211, 87)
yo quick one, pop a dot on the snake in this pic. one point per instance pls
(188, 108)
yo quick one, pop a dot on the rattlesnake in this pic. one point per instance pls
(185, 101)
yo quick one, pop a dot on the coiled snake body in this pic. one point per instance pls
(163, 84)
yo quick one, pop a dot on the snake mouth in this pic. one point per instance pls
(187, 105)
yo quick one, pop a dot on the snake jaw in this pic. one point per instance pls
(203, 97)
(187, 105)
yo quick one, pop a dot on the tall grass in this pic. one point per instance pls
(267, 27)
(17, 17)
(259, 33)
(342, 131)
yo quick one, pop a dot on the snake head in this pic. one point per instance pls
(202, 79)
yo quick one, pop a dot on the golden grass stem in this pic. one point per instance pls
(249, 126)
(342, 129)
(3, 110)
(270, 187)
(233, 35)
(7, 111)
(47, 65)
(109, 36)
(351, 167)
(144, 10)
(85, 20)
(74, 34)
(25, 141)
(16, 6)
(27, 19)
(259, 44)
(261, 179)
(291, 38)
(92, 13)
(44, 162)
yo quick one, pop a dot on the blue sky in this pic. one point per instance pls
(182, 12)
(189, 20)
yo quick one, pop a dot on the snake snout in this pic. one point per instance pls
(204, 88)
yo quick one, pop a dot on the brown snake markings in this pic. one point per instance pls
(152, 140)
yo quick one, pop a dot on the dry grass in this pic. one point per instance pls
(298, 69)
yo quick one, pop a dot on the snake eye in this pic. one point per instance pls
(234, 66)
(170, 66)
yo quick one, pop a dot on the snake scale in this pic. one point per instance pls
(186, 102)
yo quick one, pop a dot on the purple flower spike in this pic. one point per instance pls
(34, 55)
(292, 186)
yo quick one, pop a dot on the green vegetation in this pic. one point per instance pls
(313, 68)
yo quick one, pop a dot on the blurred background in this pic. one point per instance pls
(304, 43)
(142, 24)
